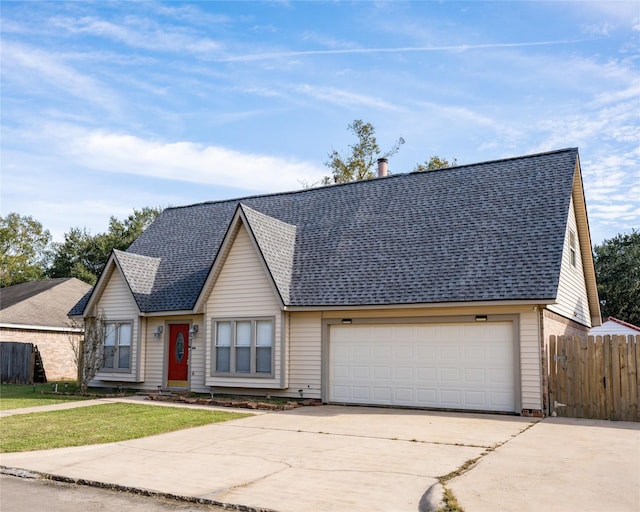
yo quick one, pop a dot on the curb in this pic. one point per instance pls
(35, 475)
(433, 499)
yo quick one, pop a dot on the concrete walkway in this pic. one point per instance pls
(334, 458)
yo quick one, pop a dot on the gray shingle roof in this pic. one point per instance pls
(276, 240)
(481, 232)
(43, 303)
(140, 273)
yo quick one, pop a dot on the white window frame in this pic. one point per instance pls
(116, 351)
(232, 345)
(573, 258)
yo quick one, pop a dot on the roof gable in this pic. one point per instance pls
(492, 231)
(612, 325)
(276, 242)
(140, 273)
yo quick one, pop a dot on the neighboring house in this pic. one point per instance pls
(434, 289)
(612, 326)
(36, 312)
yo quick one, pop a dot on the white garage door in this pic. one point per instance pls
(452, 365)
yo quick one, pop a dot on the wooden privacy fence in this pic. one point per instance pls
(595, 377)
(20, 363)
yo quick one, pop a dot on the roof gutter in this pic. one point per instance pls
(425, 305)
(28, 327)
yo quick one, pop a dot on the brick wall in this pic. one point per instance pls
(55, 350)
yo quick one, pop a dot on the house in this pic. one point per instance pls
(613, 326)
(434, 289)
(36, 312)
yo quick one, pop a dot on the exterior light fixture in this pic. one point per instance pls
(157, 332)
(193, 331)
(346, 320)
(481, 318)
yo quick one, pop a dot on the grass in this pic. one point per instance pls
(18, 396)
(450, 503)
(96, 424)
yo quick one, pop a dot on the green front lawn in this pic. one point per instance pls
(96, 424)
(17, 396)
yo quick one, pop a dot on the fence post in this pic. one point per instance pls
(553, 381)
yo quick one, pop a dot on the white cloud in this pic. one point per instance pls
(187, 161)
(138, 33)
(400, 49)
(31, 67)
(344, 98)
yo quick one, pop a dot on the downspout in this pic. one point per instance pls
(544, 362)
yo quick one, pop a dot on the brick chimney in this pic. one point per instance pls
(382, 167)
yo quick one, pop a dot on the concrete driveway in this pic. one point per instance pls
(558, 465)
(328, 458)
(334, 458)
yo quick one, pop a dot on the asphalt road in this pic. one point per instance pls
(34, 495)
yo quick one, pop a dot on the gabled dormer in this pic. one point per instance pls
(244, 299)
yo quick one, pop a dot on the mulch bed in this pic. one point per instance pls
(248, 403)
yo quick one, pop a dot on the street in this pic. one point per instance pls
(34, 495)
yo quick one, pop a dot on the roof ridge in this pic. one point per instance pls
(372, 180)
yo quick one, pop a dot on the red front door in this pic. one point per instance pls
(178, 374)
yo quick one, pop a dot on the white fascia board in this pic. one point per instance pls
(431, 305)
(28, 327)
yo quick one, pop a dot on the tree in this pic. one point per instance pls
(23, 249)
(88, 352)
(84, 256)
(435, 162)
(77, 257)
(358, 163)
(617, 263)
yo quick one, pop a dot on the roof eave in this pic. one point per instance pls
(423, 305)
(584, 239)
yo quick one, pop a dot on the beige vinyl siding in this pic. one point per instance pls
(243, 290)
(118, 306)
(530, 360)
(305, 353)
(572, 300)
(155, 373)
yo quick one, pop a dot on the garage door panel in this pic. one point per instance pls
(426, 353)
(382, 395)
(382, 373)
(403, 374)
(381, 353)
(361, 393)
(475, 399)
(450, 375)
(449, 352)
(405, 396)
(475, 376)
(427, 396)
(427, 374)
(451, 398)
(341, 371)
(361, 372)
(462, 366)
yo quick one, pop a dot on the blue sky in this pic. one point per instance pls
(111, 106)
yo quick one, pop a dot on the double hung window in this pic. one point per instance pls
(117, 346)
(244, 346)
